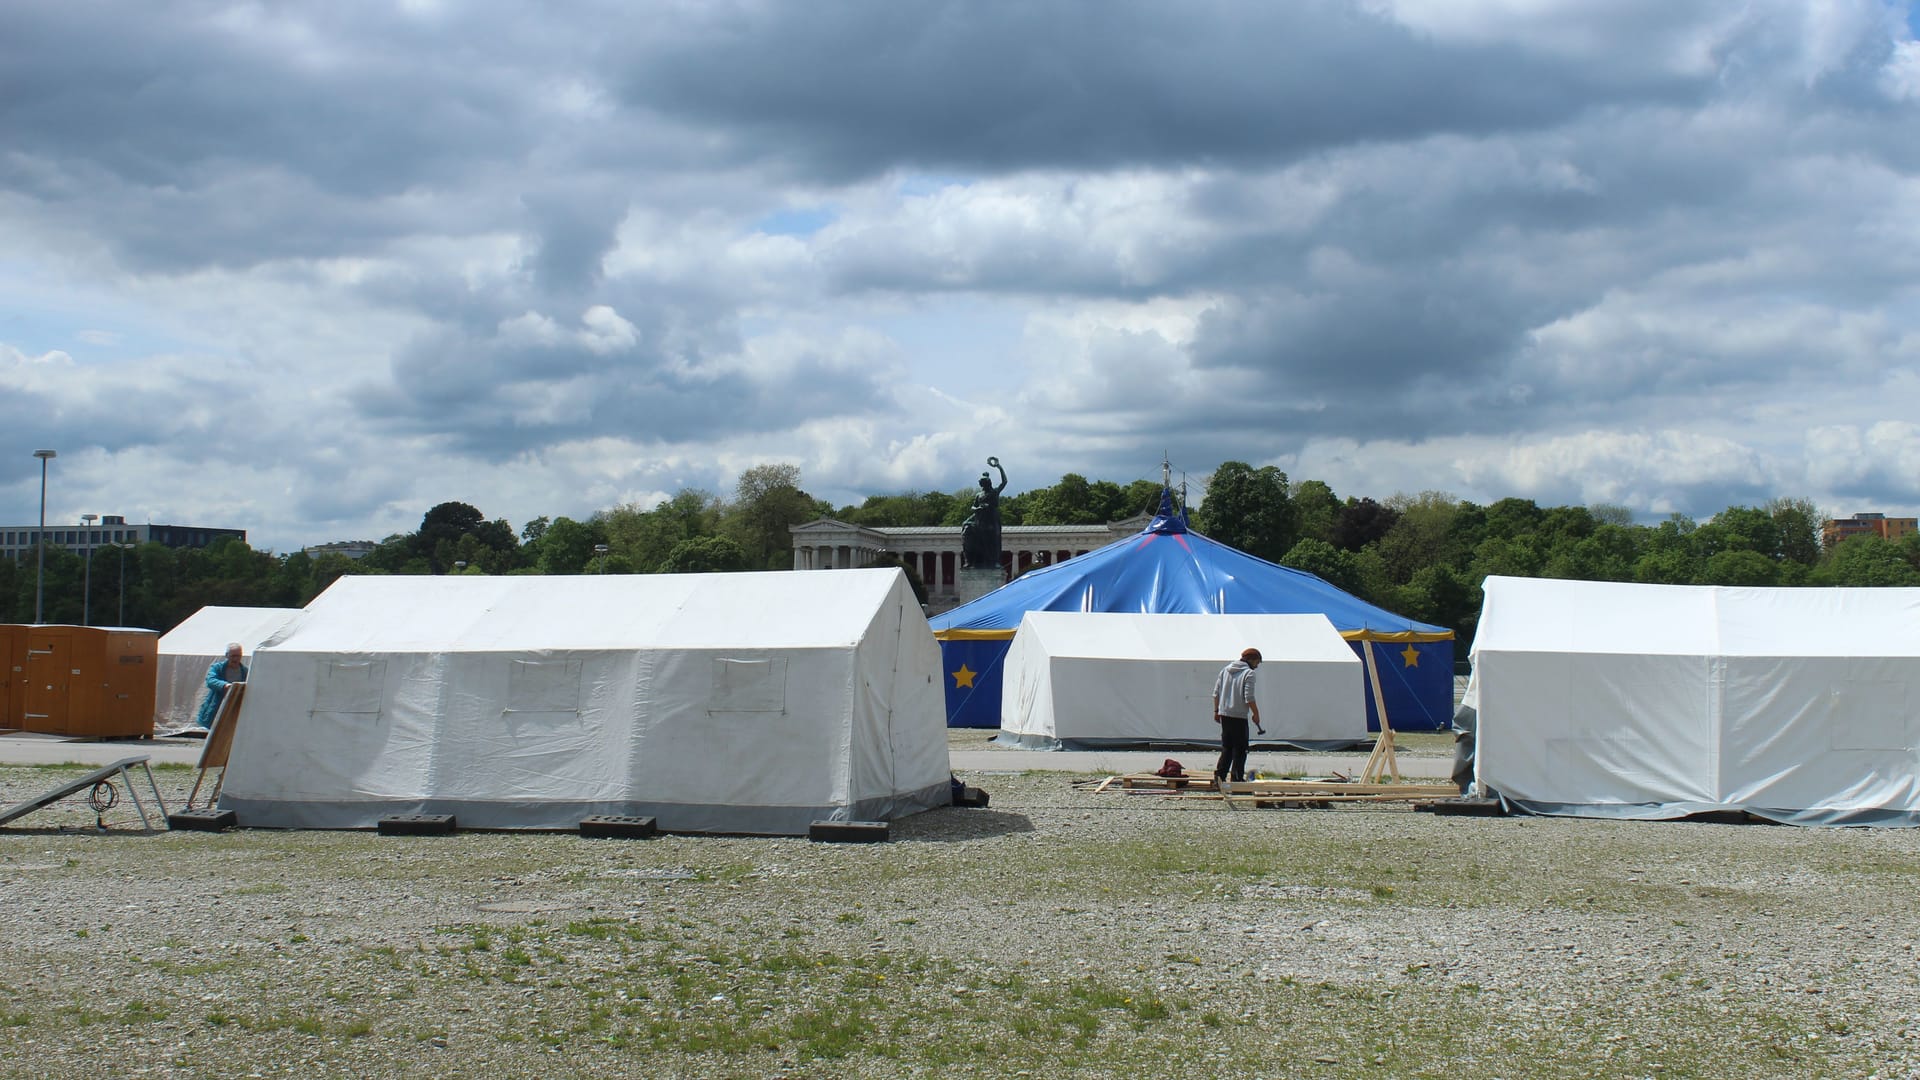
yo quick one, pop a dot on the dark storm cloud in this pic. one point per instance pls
(177, 95)
(494, 398)
(576, 230)
(855, 88)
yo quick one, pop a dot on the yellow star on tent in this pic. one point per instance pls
(963, 678)
(1411, 655)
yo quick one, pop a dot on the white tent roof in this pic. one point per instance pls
(189, 649)
(1659, 701)
(1087, 678)
(713, 702)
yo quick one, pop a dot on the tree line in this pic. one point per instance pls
(1423, 556)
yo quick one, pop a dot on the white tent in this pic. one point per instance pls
(1657, 701)
(739, 703)
(188, 650)
(1087, 678)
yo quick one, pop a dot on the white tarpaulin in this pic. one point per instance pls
(1658, 701)
(750, 703)
(1086, 678)
(188, 650)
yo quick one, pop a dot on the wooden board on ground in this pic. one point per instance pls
(1189, 780)
(1278, 793)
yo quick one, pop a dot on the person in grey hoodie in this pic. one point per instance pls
(1233, 708)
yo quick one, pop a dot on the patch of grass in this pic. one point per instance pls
(265, 888)
(310, 1025)
(141, 1012)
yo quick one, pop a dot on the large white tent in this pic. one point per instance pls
(1092, 678)
(1657, 701)
(733, 703)
(188, 650)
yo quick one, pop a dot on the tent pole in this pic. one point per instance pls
(1383, 746)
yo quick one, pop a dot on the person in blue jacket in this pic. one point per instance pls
(221, 675)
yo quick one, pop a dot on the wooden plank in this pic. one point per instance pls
(1284, 787)
(219, 742)
(1310, 797)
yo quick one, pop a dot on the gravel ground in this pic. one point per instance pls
(1059, 932)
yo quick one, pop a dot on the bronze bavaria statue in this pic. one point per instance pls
(980, 533)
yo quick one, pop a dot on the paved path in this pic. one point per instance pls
(25, 749)
(19, 748)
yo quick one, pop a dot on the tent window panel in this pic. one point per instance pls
(1868, 716)
(749, 686)
(350, 687)
(544, 686)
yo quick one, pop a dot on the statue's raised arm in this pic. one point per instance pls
(995, 463)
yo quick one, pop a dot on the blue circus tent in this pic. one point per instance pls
(1167, 568)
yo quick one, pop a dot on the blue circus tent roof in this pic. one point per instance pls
(1169, 569)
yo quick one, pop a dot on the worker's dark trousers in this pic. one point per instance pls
(1233, 749)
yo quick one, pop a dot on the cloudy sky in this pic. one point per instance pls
(310, 268)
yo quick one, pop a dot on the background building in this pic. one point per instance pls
(352, 549)
(18, 540)
(934, 550)
(1834, 530)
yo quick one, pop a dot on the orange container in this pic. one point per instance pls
(13, 674)
(89, 681)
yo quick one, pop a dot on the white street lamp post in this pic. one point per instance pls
(40, 569)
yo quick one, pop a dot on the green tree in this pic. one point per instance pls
(1511, 518)
(395, 555)
(705, 555)
(1508, 556)
(899, 511)
(1611, 514)
(1249, 509)
(1336, 567)
(1739, 568)
(1139, 497)
(1738, 528)
(1421, 536)
(642, 539)
(1441, 596)
(1609, 554)
(1798, 522)
(1069, 502)
(1362, 522)
(566, 546)
(1866, 561)
(1316, 510)
(767, 500)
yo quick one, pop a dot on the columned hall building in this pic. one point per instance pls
(934, 550)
